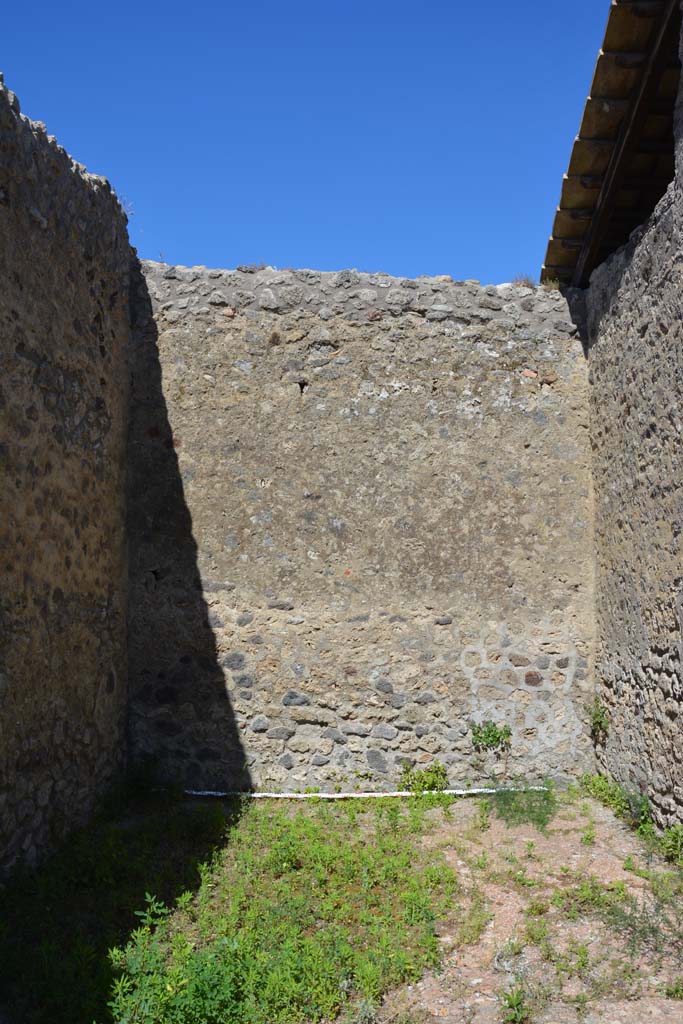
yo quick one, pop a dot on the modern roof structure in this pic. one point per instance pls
(623, 156)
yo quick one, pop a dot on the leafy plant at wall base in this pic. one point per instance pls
(599, 721)
(634, 809)
(672, 844)
(434, 778)
(489, 736)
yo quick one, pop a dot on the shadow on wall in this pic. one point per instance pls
(180, 720)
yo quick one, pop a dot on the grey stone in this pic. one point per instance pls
(335, 735)
(384, 732)
(267, 300)
(355, 729)
(425, 697)
(377, 761)
(292, 699)
(233, 661)
(280, 732)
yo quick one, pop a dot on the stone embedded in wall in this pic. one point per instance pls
(386, 500)
(64, 260)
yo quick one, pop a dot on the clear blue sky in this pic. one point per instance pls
(385, 135)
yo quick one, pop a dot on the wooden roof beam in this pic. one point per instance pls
(657, 107)
(658, 58)
(594, 182)
(641, 8)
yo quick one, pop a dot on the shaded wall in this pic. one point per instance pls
(63, 334)
(635, 309)
(183, 725)
(388, 485)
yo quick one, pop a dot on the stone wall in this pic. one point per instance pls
(635, 307)
(63, 334)
(360, 519)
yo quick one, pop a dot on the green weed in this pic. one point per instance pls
(489, 736)
(483, 819)
(672, 844)
(634, 809)
(599, 720)
(474, 922)
(423, 780)
(527, 806)
(516, 1008)
(590, 896)
(297, 918)
(675, 989)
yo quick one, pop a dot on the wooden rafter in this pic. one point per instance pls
(619, 166)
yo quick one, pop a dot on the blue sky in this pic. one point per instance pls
(384, 135)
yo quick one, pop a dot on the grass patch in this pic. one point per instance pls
(653, 923)
(527, 806)
(472, 926)
(299, 918)
(634, 809)
(254, 912)
(589, 896)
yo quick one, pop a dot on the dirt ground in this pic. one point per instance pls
(578, 924)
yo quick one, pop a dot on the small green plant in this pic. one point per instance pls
(632, 807)
(599, 720)
(589, 897)
(516, 1008)
(484, 814)
(675, 989)
(433, 779)
(588, 837)
(489, 736)
(537, 931)
(672, 844)
(537, 908)
(474, 922)
(551, 284)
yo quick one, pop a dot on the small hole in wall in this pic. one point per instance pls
(303, 386)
